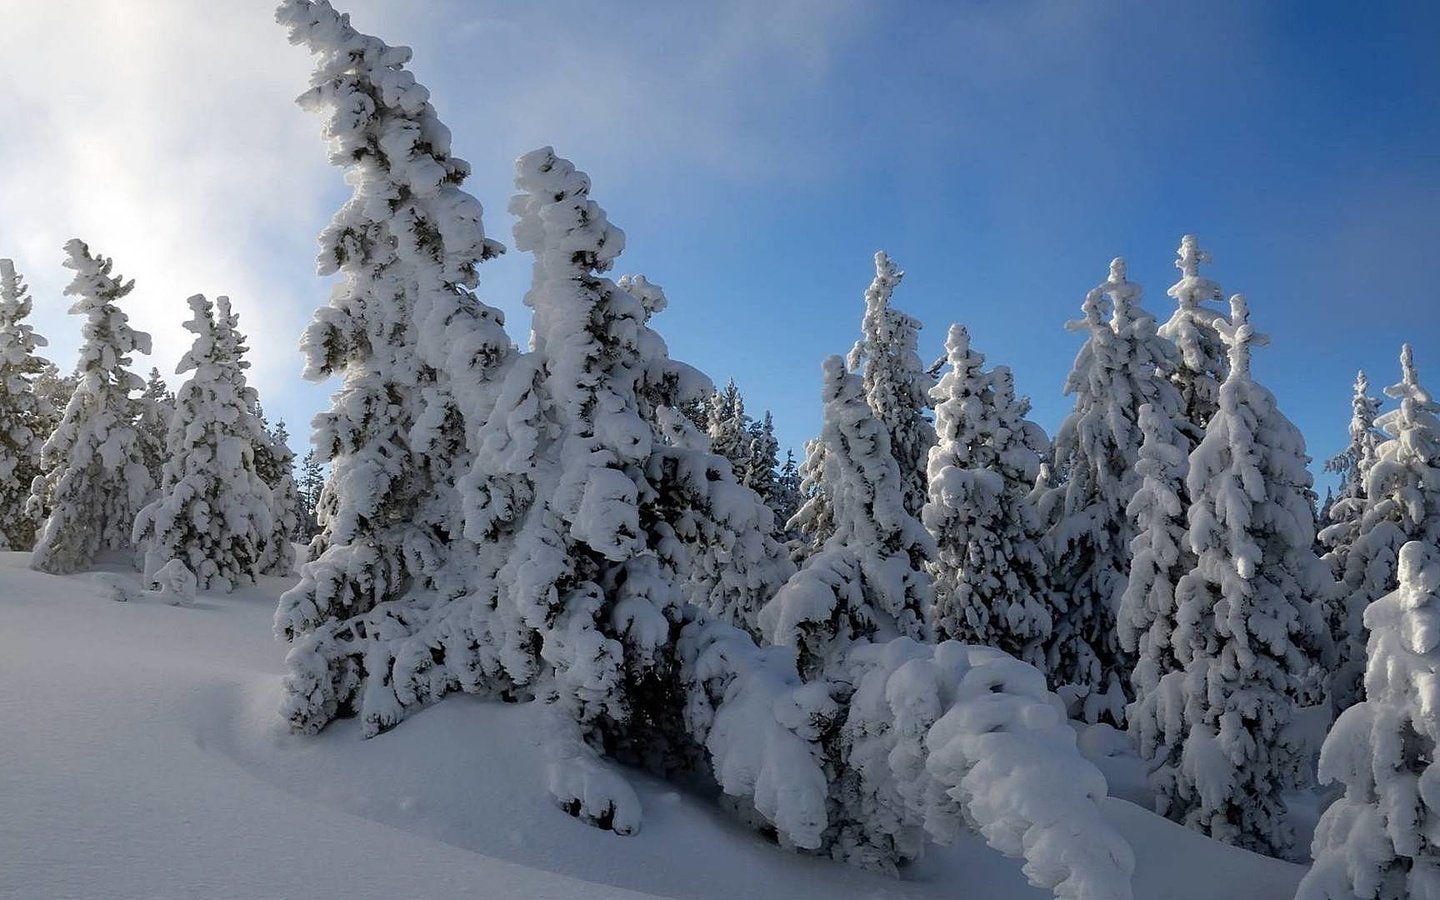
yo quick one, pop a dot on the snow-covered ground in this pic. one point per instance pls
(141, 757)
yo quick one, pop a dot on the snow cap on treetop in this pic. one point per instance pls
(9, 281)
(1239, 335)
(1118, 285)
(546, 180)
(1409, 378)
(1192, 289)
(887, 276)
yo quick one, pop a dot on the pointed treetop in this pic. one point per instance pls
(1192, 289)
(1190, 256)
(15, 301)
(877, 303)
(573, 228)
(1124, 295)
(887, 276)
(1239, 335)
(1409, 378)
(957, 349)
(383, 129)
(1409, 390)
(92, 276)
(1120, 288)
(11, 288)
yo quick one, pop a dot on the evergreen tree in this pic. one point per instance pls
(95, 479)
(990, 570)
(156, 404)
(814, 519)
(1249, 629)
(620, 519)
(1121, 367)
(729, 428)
(786, 502)
(213, 510)
(1399, 502)
(418, 353)
(1379, 841)
(869, 580)
(1203, 363)
(312, 481)
(25, 413)
(275, 464)
(1148, 619)
(1354, 462)
(1342, 521)
(762, 459)
(897, 386)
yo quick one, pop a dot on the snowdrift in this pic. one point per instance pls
(144, 757)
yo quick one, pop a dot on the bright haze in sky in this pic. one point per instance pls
(758, 153)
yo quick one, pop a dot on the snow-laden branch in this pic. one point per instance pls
(930, 739)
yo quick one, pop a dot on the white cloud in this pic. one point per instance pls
(164, 134)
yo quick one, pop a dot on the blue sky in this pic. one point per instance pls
(757, 154)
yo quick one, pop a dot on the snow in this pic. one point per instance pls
(144, 758)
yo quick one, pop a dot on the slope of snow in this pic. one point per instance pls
(143, 757)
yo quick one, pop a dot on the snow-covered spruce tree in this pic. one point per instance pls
(734, 593)
(615, 516)
(25, 414)
(1202, 364)
(729, 427)
(890, 721)
(307, 498)
(1160, 556)
(749, 444)
(990, 569)
(1249, 630)
(762, 460)
(786, 502)
(1399, 501)
(1341, 522)
(95, 479)
(869, 579)
(417, 352)
(156, 403)
(897, 386)
(275, 464)
(1354, 462)
(213, 510)
(1379, 840)
(1122, 366)
(814, 520)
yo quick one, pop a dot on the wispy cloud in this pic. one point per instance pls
(162, 134)
(165, 135)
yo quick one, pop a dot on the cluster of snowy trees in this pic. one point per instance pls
(1158, 559)
(590, 523)
(195, 484)
(879, 646)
